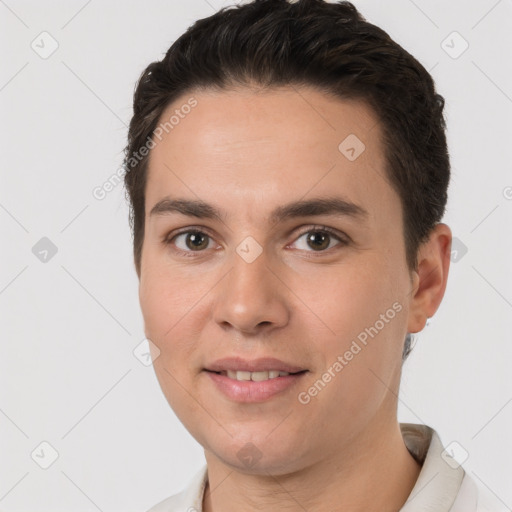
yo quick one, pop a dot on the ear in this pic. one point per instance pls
(430, 278)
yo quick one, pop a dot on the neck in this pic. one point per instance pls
(376, 471)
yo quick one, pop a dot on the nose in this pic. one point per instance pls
(251, 299)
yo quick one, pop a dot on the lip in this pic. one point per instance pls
(248, 391)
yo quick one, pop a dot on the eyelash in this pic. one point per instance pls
(341, 238)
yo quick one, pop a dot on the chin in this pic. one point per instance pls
(259, 455)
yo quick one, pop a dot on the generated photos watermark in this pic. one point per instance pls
(343, 360)
(101, 191)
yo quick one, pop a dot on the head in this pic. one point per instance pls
(287, 171)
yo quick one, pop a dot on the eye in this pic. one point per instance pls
(190, 241)
(319, 238)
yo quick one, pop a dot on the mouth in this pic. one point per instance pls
(258, 380)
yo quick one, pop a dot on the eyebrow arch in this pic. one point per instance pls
(335, 206)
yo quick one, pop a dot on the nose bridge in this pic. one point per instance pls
(251, 296)
(250, 273)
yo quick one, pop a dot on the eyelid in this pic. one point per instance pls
(188, 229)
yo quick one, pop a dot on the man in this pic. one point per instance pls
(287, 169)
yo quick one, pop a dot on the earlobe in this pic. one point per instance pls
(430, 278)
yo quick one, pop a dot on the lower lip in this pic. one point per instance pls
(253, 391)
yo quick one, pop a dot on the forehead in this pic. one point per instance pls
(299, 117)
(261, 147)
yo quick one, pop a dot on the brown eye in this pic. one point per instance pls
(191, 241)
(197, 241)
(318, 240)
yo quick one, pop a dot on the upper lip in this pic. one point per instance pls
(253, 365)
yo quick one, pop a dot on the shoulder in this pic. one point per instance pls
(188, 500)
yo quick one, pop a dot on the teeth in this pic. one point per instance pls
(255, 376)
(258, 376)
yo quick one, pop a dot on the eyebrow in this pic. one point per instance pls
(332, 206)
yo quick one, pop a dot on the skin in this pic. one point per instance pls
(247, 152)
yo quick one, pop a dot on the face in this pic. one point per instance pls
(274, 245)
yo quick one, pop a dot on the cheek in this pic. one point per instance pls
(362, 361)
(350, 299)
(165, 297)
(365, 311)
(175, 308)
(167, 305)
(156, 302)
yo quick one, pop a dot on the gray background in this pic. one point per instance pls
(70, 324)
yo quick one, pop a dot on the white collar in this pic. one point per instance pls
(439, 483)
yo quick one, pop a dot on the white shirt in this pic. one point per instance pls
(442, 485)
